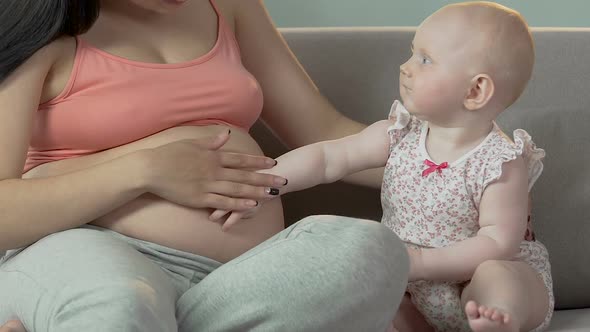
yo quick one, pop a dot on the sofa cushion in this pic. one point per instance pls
(570, 321)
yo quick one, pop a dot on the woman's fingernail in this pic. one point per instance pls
(286, 181)
(271, 162)
(252, 203)
(272, 191)
(276, 161)
(280, 181)
(229, 131)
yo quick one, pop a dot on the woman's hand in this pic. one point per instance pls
(196, 174)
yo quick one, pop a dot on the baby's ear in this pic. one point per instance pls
(481, 90)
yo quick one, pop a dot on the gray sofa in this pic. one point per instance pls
(358, 69)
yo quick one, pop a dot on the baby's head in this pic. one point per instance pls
(468, 56)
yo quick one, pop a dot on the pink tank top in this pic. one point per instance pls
(110, 101)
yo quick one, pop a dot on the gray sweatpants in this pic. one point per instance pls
(324, 273)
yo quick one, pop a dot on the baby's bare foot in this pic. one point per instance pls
(12, 326)
(483, 319)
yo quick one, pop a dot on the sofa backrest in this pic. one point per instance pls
(358, 70)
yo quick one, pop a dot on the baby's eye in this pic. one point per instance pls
(425, 61)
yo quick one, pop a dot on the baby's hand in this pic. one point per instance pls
(234, 217)
(416, 264)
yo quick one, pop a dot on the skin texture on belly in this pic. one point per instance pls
(154, 219)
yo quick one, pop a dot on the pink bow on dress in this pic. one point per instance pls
(432, 167)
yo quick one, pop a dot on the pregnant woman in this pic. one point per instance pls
(122, 124)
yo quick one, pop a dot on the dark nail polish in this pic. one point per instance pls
(256, 203)
(229, 131)
(276, 162)
(286, 181)
(272, 191)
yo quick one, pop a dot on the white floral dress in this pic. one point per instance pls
(436, 205)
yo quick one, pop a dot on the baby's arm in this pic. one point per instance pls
(503, 220)
(328, 161)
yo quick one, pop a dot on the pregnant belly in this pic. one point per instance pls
(153, 219)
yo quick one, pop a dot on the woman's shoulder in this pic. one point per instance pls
(228, 8)
(45, 59)
(52, 52)
(40, 65)
(235, 9)
(58, 57)
(237, 4)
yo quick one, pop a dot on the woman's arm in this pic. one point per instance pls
(190, 172)
(502, 218)
(31, 209)
(293, 106)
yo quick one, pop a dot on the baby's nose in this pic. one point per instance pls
(403, 69)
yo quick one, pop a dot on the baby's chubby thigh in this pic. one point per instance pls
(440, 303)
(85, 280)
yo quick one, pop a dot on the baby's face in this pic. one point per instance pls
(436, 78)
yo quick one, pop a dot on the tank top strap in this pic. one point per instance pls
(226, 35)
(212, 2)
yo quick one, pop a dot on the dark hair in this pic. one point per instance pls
(28, 25)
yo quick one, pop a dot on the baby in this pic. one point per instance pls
(455, 187)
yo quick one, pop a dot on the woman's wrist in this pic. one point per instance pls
(139, 167)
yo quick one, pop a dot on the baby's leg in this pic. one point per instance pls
(12, 326)
(505, 296)
(409, 319)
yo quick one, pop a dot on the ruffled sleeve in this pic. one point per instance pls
(401, 126)
(525, 147)
(533, 156)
